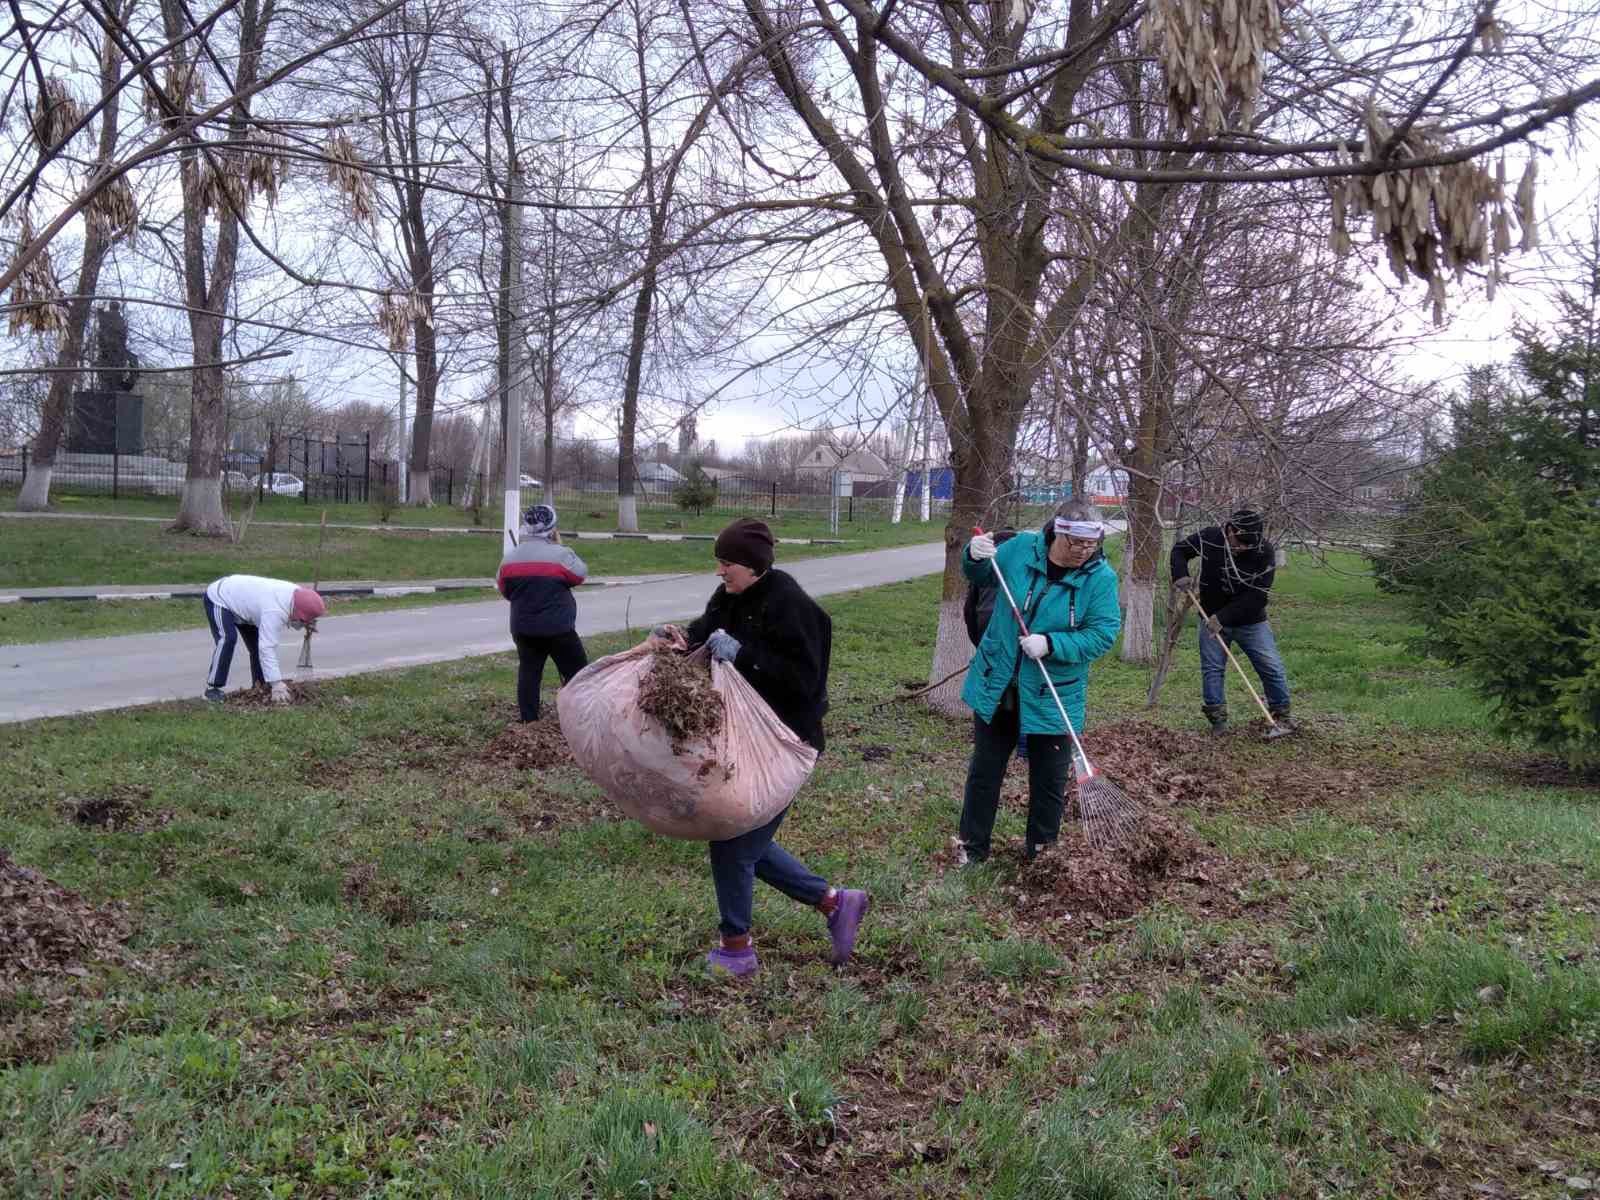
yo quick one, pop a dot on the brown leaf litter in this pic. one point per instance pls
(260, 696)
(677, 692)
(529, 746)
(47, 930)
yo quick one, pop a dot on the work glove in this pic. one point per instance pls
(1215, 626)
(1035, 646)
(280, 693)
(723, 645)
(1183, 583)
(981, 548)
(672, 635)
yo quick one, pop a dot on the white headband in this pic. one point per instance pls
(1080, 529)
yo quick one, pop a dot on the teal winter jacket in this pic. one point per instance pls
(1079, 614)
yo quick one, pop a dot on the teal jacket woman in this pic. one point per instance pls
(1067, 592)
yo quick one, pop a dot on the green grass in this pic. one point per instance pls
(798, 516)
(54, 553)
(371, 961)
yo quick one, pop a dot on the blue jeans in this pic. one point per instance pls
(737, 863)
(1258, 644)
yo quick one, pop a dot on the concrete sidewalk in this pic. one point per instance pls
(336, 587)
(47, 679)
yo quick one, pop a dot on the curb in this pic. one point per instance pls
(378, 589)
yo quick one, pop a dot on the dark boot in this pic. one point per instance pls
(1217, 714)
(1280, 717)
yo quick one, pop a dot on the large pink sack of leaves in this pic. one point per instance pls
(714, 789)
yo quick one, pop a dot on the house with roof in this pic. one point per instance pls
(854, 466)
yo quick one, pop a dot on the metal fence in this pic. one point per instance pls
(341, 470)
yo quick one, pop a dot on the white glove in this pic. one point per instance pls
(280, 693)
(981, 547)
(1035, 646)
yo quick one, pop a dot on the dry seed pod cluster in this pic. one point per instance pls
(1434, 220)
(113, 208)
(346, 173)
(56, 115)
(184, 88)
(266, 168)
(1211, 53)
(35, 295)
(395, 316)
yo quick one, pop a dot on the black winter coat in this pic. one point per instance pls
(1233, 584)
(785, 642)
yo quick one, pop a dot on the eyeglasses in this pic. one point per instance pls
(1082, 543)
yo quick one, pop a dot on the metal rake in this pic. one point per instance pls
(1106, 813)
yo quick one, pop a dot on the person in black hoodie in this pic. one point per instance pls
(762, 622)
(1236, 568)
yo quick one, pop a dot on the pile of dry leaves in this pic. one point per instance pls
(677, 692)
(47, 930)
(260, 696)
(529, 746)
(1117, 881)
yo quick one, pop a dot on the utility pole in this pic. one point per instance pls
(513, 247)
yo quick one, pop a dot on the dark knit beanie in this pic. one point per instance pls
(1247, 523)
(747, 542)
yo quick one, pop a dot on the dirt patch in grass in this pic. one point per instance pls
(365, 887)
(539, 809)
(46, 929)
(1545, 771)
(125, 809)
(677, 692)
(529, 746)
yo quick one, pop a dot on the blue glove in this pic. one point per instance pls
(723, 645)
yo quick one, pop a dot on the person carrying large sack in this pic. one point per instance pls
(779, 639)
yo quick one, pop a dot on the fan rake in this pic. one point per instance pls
(1106, 813)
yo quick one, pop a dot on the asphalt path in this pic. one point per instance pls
(51, 679)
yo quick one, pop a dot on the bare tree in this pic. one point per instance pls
(111, 215)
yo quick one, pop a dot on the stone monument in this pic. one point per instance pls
(109, 418)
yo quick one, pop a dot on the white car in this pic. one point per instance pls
(236, 481)
(528, 481)
(281, 484)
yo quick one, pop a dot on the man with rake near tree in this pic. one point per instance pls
(1066, 593)
(1237, 564)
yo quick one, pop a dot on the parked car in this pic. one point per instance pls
(528, 481)
(236, 481)
(280, 483)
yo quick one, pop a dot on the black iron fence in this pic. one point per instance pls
(342, 470)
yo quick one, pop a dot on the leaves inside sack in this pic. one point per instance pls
(677, 692)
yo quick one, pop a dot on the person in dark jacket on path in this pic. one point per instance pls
(1237, 564)
(537, 575)
(762, 622)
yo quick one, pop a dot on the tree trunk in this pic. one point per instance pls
(1080, 459)
(1141, 562)
(427, 391)
(627, 505)
(35, 496)
(977, 480)
(97, 239)
(200, 511)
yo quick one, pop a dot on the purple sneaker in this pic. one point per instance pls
(846, 919)
(741, 964)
